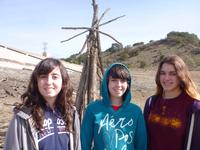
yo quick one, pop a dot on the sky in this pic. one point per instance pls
(28, 24)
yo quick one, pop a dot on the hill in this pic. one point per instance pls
(140, 55)
(13, 82)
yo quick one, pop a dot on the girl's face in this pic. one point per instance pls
(117, 88)
(169, 79)
(50, 85)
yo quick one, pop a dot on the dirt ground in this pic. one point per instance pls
(14, 82)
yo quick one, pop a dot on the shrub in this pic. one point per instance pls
(142, 64)
(183, 37)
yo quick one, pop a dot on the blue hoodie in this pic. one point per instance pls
(105, 129)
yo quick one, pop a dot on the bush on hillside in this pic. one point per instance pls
(133, 53)
(142, 64)
(77, 60)
(138, 44)
(184, 37)
(115, 47)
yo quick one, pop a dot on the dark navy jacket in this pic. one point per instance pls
(53, 135)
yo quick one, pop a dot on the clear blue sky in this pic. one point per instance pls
(27, 24)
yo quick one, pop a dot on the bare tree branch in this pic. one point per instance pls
(110, 37)
(102, 16)
(74, 36)
(95, 10)
(92, 71)
(82, 89)
(82, 49)
(89, 28)
(93, 28)
(112, 20)
(76, 28)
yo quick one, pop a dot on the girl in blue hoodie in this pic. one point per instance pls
(113, 123)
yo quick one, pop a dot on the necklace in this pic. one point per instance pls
(163, 111)
(165, 99)
(163, 105)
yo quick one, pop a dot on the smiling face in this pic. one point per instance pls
(50, 85)
(117, 87)
(169, 79)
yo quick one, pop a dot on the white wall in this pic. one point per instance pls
(13, 58)
(17, 59)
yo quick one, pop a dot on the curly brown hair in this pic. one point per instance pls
(33, 99)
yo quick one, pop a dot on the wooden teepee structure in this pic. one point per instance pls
(92, 71)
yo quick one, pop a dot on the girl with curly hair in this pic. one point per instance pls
(46, 119)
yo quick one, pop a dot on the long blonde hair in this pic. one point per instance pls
(186, 82)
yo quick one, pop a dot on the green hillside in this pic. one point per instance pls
(140, 55)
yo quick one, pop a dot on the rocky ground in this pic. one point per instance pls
(14, 82)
